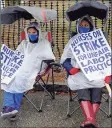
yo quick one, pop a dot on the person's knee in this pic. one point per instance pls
(96, 100)
(96, 95)
(80, 100)
(83, 95)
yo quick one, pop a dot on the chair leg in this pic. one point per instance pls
(109, 103)
(109, 107)
(105, 98)
(31, 103)
(69, 100)
(103, 111)
(41, 104)
(53, 93)
(47, 91)
(44, 87)
(70, 114)
(70, 94)
(68, 107)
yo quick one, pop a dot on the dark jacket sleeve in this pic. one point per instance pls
(67, 64)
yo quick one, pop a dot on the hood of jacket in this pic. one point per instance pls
(37, 26)
(89, 19)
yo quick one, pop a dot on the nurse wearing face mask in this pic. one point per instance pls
(84, 26)
(35, 49)
(89, 92)
(33, 35)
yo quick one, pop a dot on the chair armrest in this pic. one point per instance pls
(56, 66)
(48, 61)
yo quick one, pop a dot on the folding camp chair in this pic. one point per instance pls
(74, 12)
(39, 81)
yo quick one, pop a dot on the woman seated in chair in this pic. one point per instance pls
(35, 49)
(89, 92)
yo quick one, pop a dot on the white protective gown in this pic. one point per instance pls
(78, 81)
(34, 54)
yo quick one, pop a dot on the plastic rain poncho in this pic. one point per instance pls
(34, 54)
(79, 81)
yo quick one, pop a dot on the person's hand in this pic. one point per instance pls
(73, 71)
(108, 79)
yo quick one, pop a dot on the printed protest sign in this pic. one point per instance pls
(93, 54)
(11, 61)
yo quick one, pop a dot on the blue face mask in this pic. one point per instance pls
(33, 37)
(83, 29)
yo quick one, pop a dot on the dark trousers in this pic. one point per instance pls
(94, 95)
